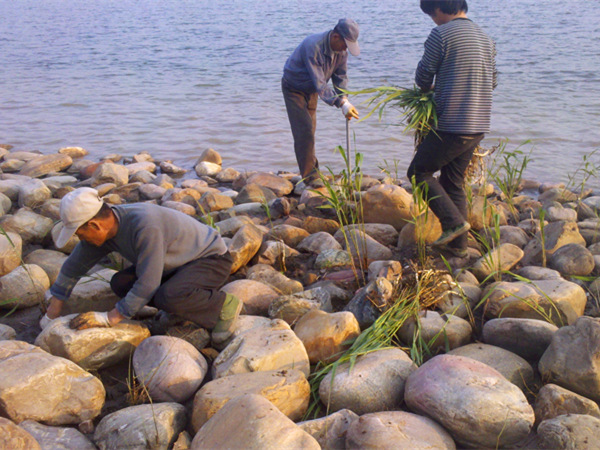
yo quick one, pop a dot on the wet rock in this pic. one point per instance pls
(155, 426)
(280, 186)
(38, 386)
(49, 260)
(110, 173)
(326, 336)
(291, 308)
(255, 295)
(278, 281)
(10, 252)
(397, 429)
(93, 348)
(467, 397)
(210, 155)
(73, 152)
(252, 421)
(23, 287)
(502, 258)
(375, 383)
(562, 300)
(170, 368)
(573, 259)
(33, 193)
(15, 437)
(557, 234)
(32, 227)
(572, 431)
(7, 333)
(288, 390)
(388, 204)
(528, 338)
(57, 437)
(440, 332)
(553, 401)
(514, 368)
(168, 167)
(318, 243)
(573, 358)
(271, 347)
(45, 164)
(244, 246)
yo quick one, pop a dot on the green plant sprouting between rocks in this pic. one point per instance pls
(587, 169)
(420, 290)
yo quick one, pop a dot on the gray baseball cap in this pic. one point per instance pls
(348, 29)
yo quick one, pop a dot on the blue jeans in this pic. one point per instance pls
(450, 154)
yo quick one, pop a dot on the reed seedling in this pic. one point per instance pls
(587, 169)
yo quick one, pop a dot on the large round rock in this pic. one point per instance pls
(571, 431)
(171, 368)
(475, 403)
(374, 383)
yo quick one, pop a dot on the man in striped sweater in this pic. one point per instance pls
(460, 58)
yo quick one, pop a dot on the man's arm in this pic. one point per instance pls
(315, 70)
(430, 62)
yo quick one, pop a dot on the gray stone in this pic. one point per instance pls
(280, 186)
(255, 295)
(255, 193)
(383, 233)
(229, 227)
(270, 347)
(278, 281)
(440, 332)
(392, 430)
(369, 302)
(288, 390)
(288, 234)
(170, 368)
(571, 431)
(155, 426)
(292, 307)
(374, 383)
(528, 338)
(151, 191)
(33, 193)
(58, 438)
(92, 348)
(553, 401)
(330, 431)
(147, 166)
(474, 402)
(32, 227)
(539, 273)
(45, 164)
(573, 358)
(573, 259)
(513, 235)
(514, 368)
(49, 260)
(7, 333)
(23, 287)
(502, 258)
(110, 173)
(227, 175)
(460, 300)
(363, 246)
(168, 167)
(92, 293)
(38, 386)
(274, 253)
(181, 207)
(252, 422)
(557, 234)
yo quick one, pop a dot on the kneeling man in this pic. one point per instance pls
(179, 264)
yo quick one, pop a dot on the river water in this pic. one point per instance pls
(174, 77)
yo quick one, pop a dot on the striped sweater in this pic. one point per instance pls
(461, 58)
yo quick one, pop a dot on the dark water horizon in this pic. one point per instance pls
(177, 77)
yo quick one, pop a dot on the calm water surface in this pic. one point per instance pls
(174, 77)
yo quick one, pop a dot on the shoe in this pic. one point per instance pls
(232, 306)
(454, 251)
(451, 234)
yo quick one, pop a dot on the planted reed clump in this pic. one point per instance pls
(417, 291)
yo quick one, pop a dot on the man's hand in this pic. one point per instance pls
(89, 319)
(349, 110)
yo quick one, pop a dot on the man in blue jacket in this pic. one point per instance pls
(319, 58)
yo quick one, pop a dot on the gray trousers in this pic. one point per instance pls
(191, 291)
(302, 112)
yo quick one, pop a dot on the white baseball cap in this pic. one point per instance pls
(76, 208)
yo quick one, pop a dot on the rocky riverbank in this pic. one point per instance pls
(506, 355)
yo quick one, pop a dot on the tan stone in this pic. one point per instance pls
(389, 204)
(244, 245)
(15, 437)
(45, 164)
(10, 252)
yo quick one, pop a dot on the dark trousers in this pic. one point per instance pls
(450, 154)
(302, 112)
(190, 292)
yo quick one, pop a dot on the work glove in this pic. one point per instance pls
(45, 321)
(349, 110)
(89, 319)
